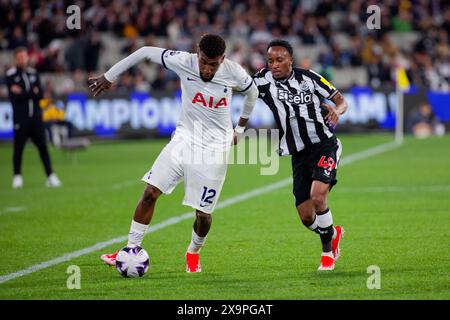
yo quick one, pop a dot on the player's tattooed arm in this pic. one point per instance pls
(332, 118)
(99, 84)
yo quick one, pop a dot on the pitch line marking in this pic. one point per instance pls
(125, 184)
(11, 210)
(188, 215)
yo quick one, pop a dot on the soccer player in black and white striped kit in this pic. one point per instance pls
(295, 96)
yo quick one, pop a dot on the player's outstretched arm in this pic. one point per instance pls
(251, 95)
(104, 82)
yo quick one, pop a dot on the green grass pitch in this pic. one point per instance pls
(394, 206)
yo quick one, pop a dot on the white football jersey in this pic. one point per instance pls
(205, 118)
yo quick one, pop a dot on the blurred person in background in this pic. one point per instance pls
(25, 91)
(423, 123)
(57, 127)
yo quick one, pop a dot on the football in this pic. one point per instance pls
(132, 262)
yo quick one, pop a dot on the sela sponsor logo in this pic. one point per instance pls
(301, 98)
(209, 101)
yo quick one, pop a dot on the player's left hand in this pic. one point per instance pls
(332, 117)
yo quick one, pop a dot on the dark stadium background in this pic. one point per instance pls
(331, 37)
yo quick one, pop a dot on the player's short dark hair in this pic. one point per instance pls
(281, 43)
(212, 45)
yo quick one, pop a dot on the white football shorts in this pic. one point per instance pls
(203, 173)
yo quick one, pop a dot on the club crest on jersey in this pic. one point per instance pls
(304, 86)
(301, 98)
(209, 102)
(173, 53)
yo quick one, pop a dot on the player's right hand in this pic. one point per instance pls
(99, 84)
(332, 117)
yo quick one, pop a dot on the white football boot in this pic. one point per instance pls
(17, 181)
(53, 181)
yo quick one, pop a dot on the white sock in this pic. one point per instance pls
(329, 254)
(136, 234)
(325, 220)
(334, 233)
(314, 225)
(196, 244)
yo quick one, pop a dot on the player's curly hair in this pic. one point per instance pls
(281, 43)
(212, 45)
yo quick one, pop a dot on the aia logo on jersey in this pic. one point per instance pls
(209, 101)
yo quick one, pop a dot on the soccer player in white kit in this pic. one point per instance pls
(199, 149)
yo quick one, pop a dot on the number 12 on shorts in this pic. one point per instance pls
(207, 196)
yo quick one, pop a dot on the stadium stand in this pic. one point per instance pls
(329, 36)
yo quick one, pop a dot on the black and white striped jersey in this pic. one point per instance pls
(295, 103)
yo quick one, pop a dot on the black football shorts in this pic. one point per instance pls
(316, 162)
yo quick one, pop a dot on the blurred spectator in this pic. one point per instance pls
(17, 38)
(310, 33)
(50, 63)
(239, 28)
(416, 31)
(260, 34)
(403, 21)
(238, 53)
(56, 125)
(140, 84)
(35, 53)
(74, 54)
(160, 80)
(125, 84)
(423, 122)
(92, 51)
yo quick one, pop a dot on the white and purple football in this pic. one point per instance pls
(132, 262)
